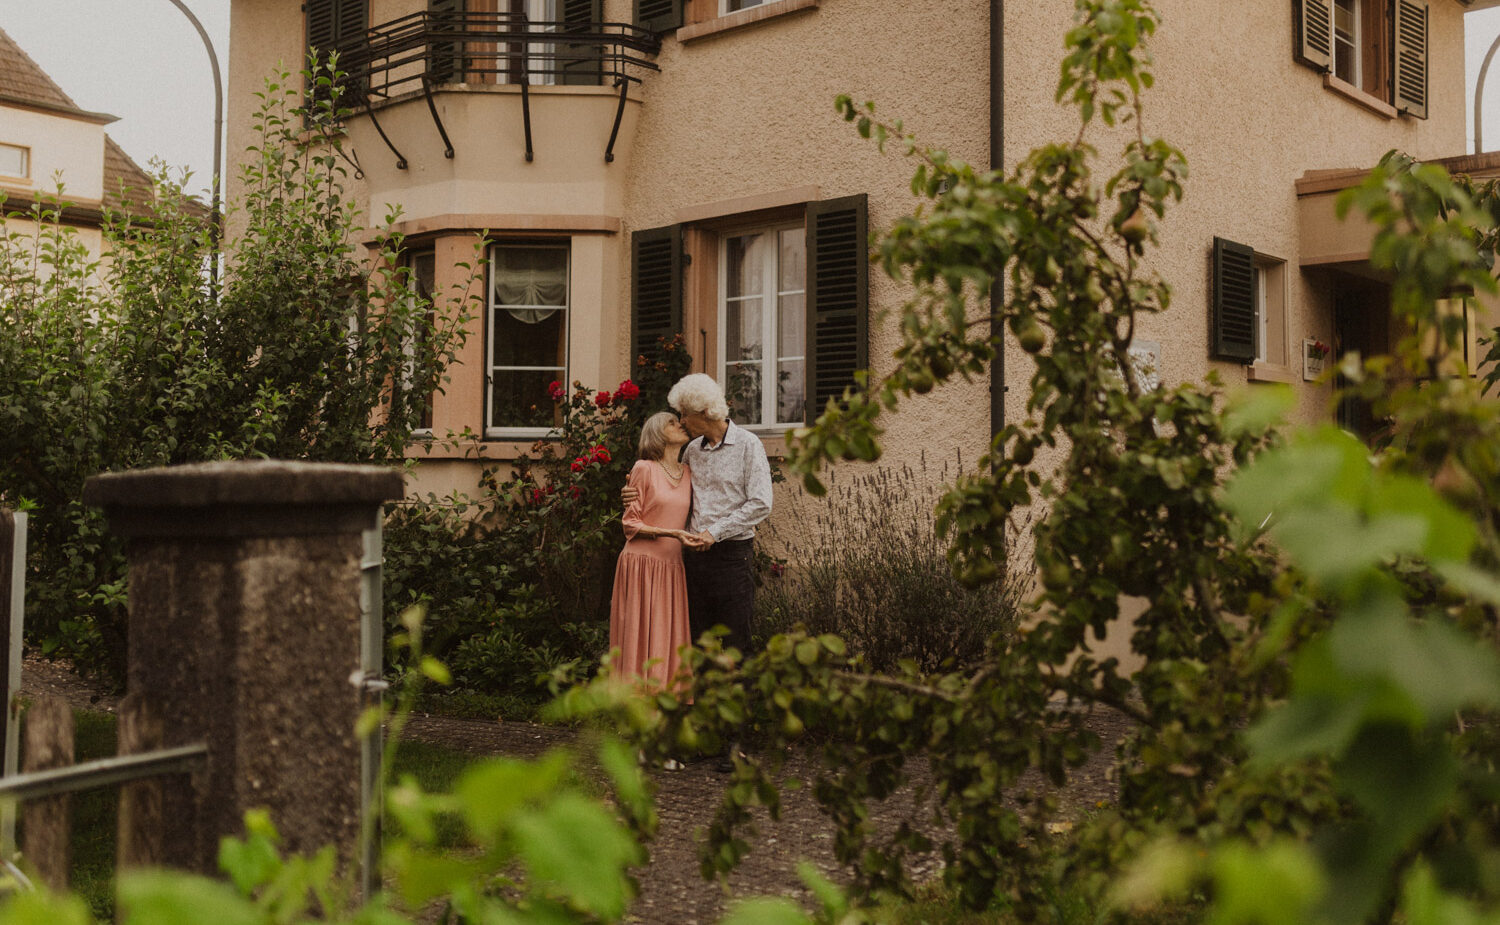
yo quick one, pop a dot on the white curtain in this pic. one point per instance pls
(531, 278)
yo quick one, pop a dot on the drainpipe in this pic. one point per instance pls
(997, 162)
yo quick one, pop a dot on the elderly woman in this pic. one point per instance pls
(648, 613)
(731, 495)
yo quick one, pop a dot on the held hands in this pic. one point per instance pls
(697, 541)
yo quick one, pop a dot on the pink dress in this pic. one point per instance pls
(648, 612)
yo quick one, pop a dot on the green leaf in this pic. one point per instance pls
(436, 670)
(491, 792)
(162, 898)
(575, 846)
(766, 911)
(251, 863)
(44, 908)
(1278, 884)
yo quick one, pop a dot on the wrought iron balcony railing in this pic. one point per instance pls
(426, 50)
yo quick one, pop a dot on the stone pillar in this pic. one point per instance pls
(244, 632)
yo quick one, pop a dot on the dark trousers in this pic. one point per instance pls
(721, 590)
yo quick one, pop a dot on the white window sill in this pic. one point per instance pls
(1268, 372)
(1354, 94)
(738, 20)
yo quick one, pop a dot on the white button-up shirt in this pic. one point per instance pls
(731, 484)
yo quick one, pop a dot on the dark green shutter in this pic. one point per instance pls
(322, 26)
(1411, 58)
(442, 48)
(659, 15)
(1313, 25)
(655, 290)
(1234, 321)
(838, 283)
(339, 25)
(581, 64)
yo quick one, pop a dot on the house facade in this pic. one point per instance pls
(649, 167)
(45, 136)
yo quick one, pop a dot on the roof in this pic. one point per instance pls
(126, 185)
(23, 81)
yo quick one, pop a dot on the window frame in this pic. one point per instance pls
(771, 358)
(1273, 347)
(25, 153)
(491, 432)
(415, 281)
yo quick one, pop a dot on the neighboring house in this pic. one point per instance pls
(645, 167)
(45, 136)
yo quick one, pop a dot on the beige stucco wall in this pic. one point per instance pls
(749, 113)
(61, 145)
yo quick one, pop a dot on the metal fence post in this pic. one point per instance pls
(12, 615)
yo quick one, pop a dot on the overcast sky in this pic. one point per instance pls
(142, 60)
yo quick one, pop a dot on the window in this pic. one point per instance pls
(762, 323)
(734, 6)
(1270, 312)
(1346, 22)
(422, 265)
(1372, 50)
(780, 296)
(528, 335)
(15, 161)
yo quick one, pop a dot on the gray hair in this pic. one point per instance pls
(699, 394)
(654, 435)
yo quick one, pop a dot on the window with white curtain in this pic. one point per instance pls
(528, 335)
(763, 324)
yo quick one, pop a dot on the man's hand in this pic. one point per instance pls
(698, 541)
(628, 494)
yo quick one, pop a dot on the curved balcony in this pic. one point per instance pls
(415, 55)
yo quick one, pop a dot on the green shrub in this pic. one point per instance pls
(869, 566)
(303, 351)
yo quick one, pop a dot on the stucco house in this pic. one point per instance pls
(647, 167)
(44, 136)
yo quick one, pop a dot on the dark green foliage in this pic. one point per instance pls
(303, 351)
(870, 568)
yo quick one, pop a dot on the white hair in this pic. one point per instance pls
(698, 394)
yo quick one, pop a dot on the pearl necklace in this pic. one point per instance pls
(674, 479)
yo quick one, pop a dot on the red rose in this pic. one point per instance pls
(578, 464)
(628, 391)
(576, 492)
(602, 399)
(555, 391)
(601, 453)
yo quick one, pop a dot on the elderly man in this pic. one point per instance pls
(731, 495)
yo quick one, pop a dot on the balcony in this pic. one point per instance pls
(533, 120)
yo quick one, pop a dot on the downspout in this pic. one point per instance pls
(997, 163)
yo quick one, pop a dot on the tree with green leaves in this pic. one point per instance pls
(1131, 494)
(307, 350)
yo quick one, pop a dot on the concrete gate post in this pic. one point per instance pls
(244, 632)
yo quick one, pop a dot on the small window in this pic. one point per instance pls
(1270, 312)
(1373, 51)
(528, 336)
(734, 6)
(15, 162)
(762, 324)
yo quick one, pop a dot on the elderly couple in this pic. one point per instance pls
(701, 483)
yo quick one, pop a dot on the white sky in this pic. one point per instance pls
(142, 60)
